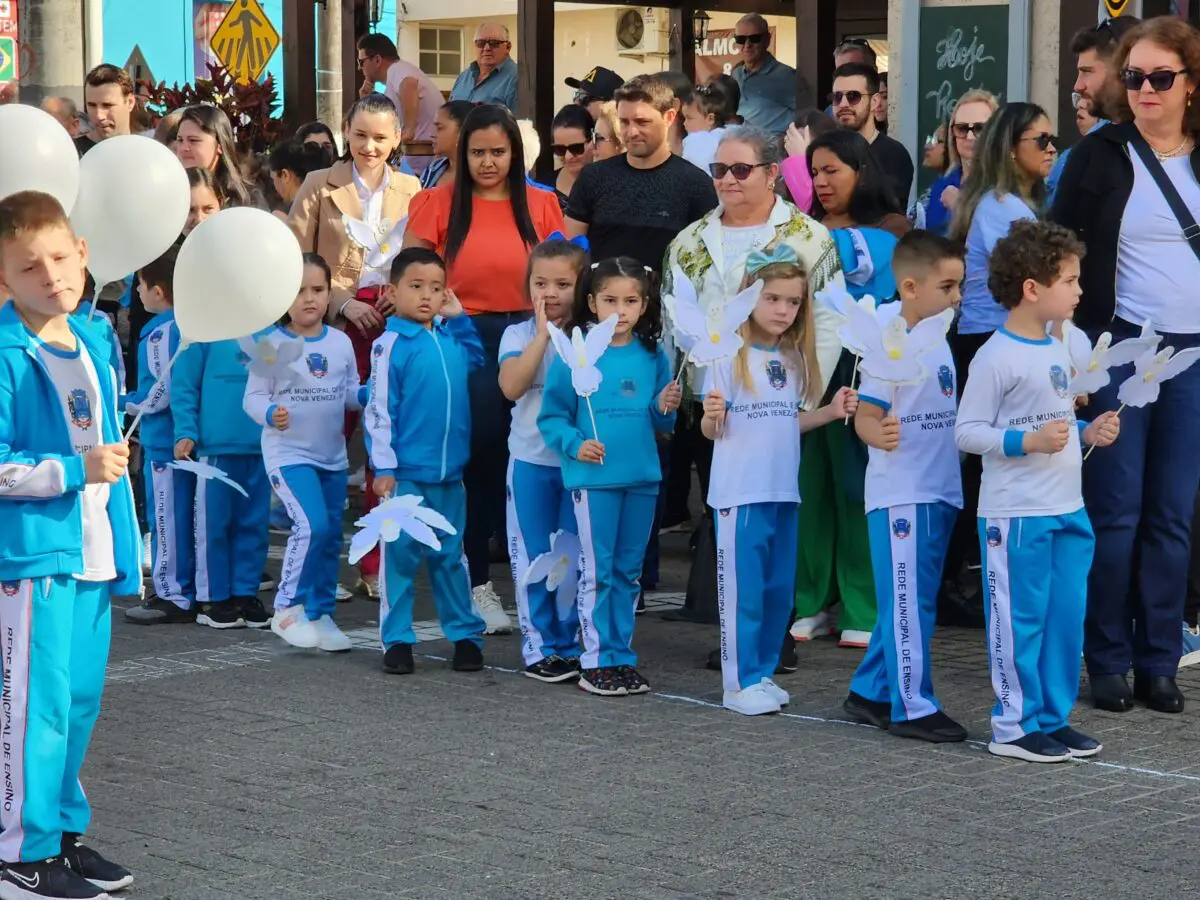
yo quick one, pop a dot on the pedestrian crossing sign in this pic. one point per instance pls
(245, 40)
(8, 59)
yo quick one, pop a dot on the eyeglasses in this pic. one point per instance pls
(851, 97)
(561, 150)
(933, 141)
(741, 39)
(962, 129)
(1044, 140)
(1160, 81)
(364, 59)
(740, 171)
(599, 139)
(491, 44)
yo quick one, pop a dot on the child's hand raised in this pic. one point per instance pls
(590, 452)
(844, 403)
(539, 316)
(383, 485)
(889, 433)
(280, 419)
(184, 448)
(106, 464)
(1050, 438)
(670, 398)
(451, 305)
(1103, 430)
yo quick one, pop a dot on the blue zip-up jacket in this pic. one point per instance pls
(41, 476)
(627, 415)
(160, 341)
(208, 383)
(417, 418)
(866, 255)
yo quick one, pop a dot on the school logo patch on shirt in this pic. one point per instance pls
(1058, 379)
(378, 350)
(158, 466)
(10, 588)
(946, 381)
(318, 365)
(275, 481)
(577, 496)
(79, 408)
(776, 375)
(724, 513)
(993, 536)
(628, 387)
(901, 528)
(155, 337)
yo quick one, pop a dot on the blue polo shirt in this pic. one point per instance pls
(500, 86)
(768, 95)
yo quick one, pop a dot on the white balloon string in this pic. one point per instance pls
(163, 377)
(95, 300)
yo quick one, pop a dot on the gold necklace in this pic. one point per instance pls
(1170, 153)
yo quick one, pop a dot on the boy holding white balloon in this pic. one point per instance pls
(1018, 413)
(70, 541)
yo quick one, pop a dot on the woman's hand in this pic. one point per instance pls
(950, 197)
(386, 304)
(362, 316)
(796, 140)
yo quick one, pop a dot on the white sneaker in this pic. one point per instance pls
(855, 639)
(147, 559)
(753, 701)
(358, 478)
(342, 595)
(778, 694)
(293, 626)
(487, 604)
(329, 637)
(811, 627)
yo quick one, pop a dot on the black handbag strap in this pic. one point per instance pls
(1191, 231)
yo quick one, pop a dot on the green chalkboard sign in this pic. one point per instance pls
(962, 47)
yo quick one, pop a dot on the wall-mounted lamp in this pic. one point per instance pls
(700, 20)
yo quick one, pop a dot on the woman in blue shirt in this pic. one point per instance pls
(970, 114)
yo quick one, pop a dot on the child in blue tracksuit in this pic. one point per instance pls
(538, 505)
(208, 383)
(752, 412)
(417, 422)
(913, 495)
(70, 541)
(172, 492)
(614, 496)
(1018, 413)
(304, 451)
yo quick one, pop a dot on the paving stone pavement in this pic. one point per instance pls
(227, 766)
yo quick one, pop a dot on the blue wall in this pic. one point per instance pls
(163, 29)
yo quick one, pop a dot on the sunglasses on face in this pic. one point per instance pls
(491, 44)
(962, 129)
(740, 171)
(933, 141)
(561, 150)
(741, 39)
(851, 97)
(1160, 81)
(1043, 140)
(582, 98)
(363, 59)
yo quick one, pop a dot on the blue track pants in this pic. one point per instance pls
(170, 501)
(231, 530)
(314, 499)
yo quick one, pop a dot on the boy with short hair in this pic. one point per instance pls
(171, 492)
(913, 493)
(1018, 413)
(69, 541)
(417, 423)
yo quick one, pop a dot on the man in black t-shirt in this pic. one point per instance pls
(855, 101)
(637, 203)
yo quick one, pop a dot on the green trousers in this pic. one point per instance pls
(834, 557)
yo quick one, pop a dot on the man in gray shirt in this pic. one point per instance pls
(770, 90)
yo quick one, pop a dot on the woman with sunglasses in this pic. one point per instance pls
(1140, 269)
(606, 139)
(967, 119)
(936, 159)
(571, 134)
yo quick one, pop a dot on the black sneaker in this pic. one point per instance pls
(49, 879)
(220, 615)
(83, 860)
(398, 660)
(936, 728)
(604, 681)
(788, 661)
(552, 670)
(869, 712)
(157, 611)
(640, 609)
(267, 583)
(714, 660)
(468, 657)
(634, 682)
(254, 614)
(1078, 744)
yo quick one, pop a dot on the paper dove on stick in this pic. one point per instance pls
(394, 517)
(559, 568)
(581, 353)
(713, 336)
(205, 472)
(272, 360)
(892, 353)
(380, 247)
(1150, 371)
(1091, 365)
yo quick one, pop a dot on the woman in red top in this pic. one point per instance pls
(485, 224)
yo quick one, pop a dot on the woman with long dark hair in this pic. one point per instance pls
(447, 126)
(291, 162)
(485, 223)
(204, 139)
(571, 145)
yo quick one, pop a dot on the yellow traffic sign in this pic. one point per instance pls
(245, 40)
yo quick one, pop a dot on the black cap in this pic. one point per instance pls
(600, 83)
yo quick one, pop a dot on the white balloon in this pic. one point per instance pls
(237, 273)
(133, 203)
(37, 154)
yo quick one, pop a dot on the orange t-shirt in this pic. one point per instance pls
(488, 274)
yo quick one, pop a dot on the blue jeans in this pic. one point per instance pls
(1140, 494)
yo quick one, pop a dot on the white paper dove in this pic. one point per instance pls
(1091, 365)
(394, 517)
(891, 352)
(272, 360)
(861, 326)
(581, 353)
(1150, 371)
(205, 472)
(559, 568)
(381, 247)
(835, 296)
(713, 336)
